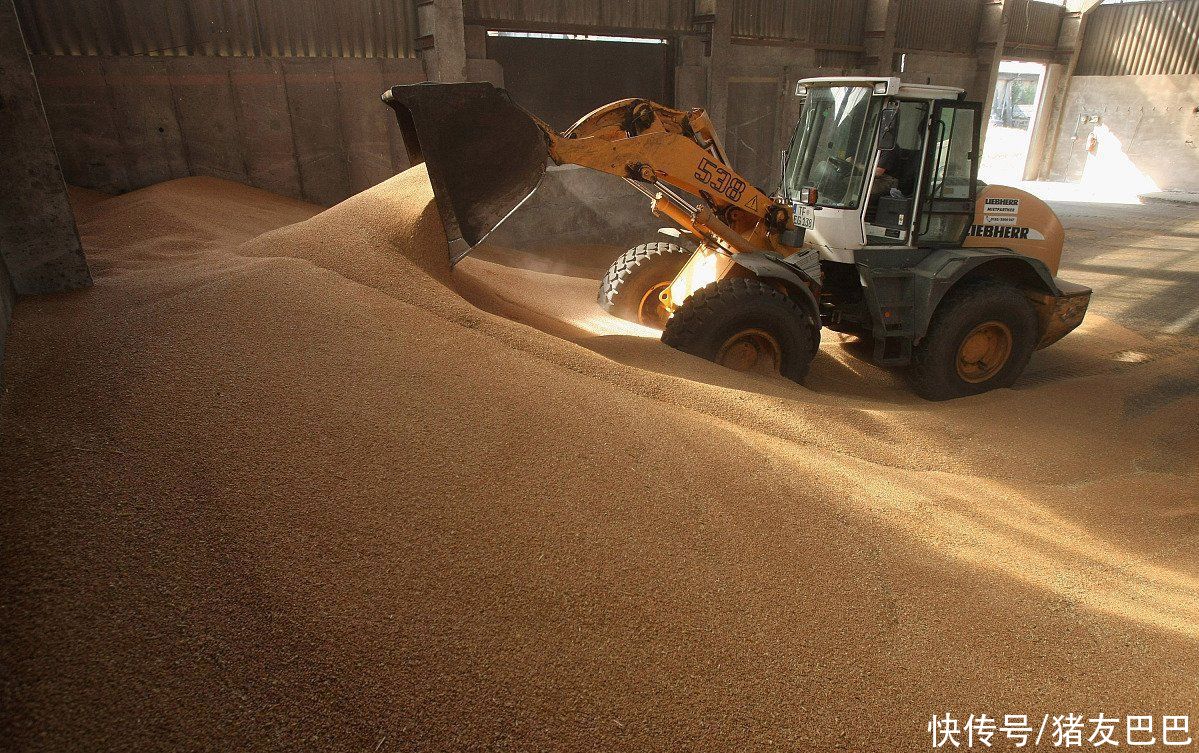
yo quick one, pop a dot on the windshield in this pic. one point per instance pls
(831, 148)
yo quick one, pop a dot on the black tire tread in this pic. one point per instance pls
(930, 376)
(711, 304)
(632, 261)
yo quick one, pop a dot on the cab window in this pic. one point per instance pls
(947, 206)
(831, 150)
(896, 177)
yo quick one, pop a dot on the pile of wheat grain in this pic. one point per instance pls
(282, 480)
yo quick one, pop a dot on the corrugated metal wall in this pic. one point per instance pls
(951, 26)
(832, 23)
(643, 15)
(284, 28)
(1141, 39)
(386, 28)
(938, 25)
(1033, 25)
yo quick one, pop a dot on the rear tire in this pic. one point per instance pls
(745, 324)
(981, 337)
(630, 288)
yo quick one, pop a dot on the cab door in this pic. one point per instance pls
(947, 187)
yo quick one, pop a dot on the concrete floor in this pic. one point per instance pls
(1142, 261)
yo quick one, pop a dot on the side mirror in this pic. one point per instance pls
(888, 128)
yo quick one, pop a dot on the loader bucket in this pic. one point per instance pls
(484, 154)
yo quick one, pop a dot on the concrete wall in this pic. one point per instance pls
(37, 229)
(7, 299)
(940, 68)
(310, 128)
(39, 246)
(1145, 130)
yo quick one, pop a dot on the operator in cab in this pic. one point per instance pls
(896, 169)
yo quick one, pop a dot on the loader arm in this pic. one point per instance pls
(485, 156)
(643, 140)
(657, 147)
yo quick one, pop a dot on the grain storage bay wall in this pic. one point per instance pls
(1148, 124)
(1131, 112)
(39, 248)
(7, 298)
(277, 94)
(284, 96)
(310, 128)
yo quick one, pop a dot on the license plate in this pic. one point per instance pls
(805, 216)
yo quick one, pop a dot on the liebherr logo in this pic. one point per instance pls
(1005, 231)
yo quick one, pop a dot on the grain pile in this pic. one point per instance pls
(281, 480)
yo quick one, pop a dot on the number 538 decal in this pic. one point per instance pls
(720, 179)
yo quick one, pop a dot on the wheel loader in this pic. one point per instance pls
(878, 227)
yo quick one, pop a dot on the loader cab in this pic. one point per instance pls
(879, 163)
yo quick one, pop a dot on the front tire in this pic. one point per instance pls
(746, 325)
(630, 288)
(981, 337)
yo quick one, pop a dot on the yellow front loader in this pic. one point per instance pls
(906, 260)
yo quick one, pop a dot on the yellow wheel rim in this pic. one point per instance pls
(751, 350)
(651, 311)
(984, 352)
